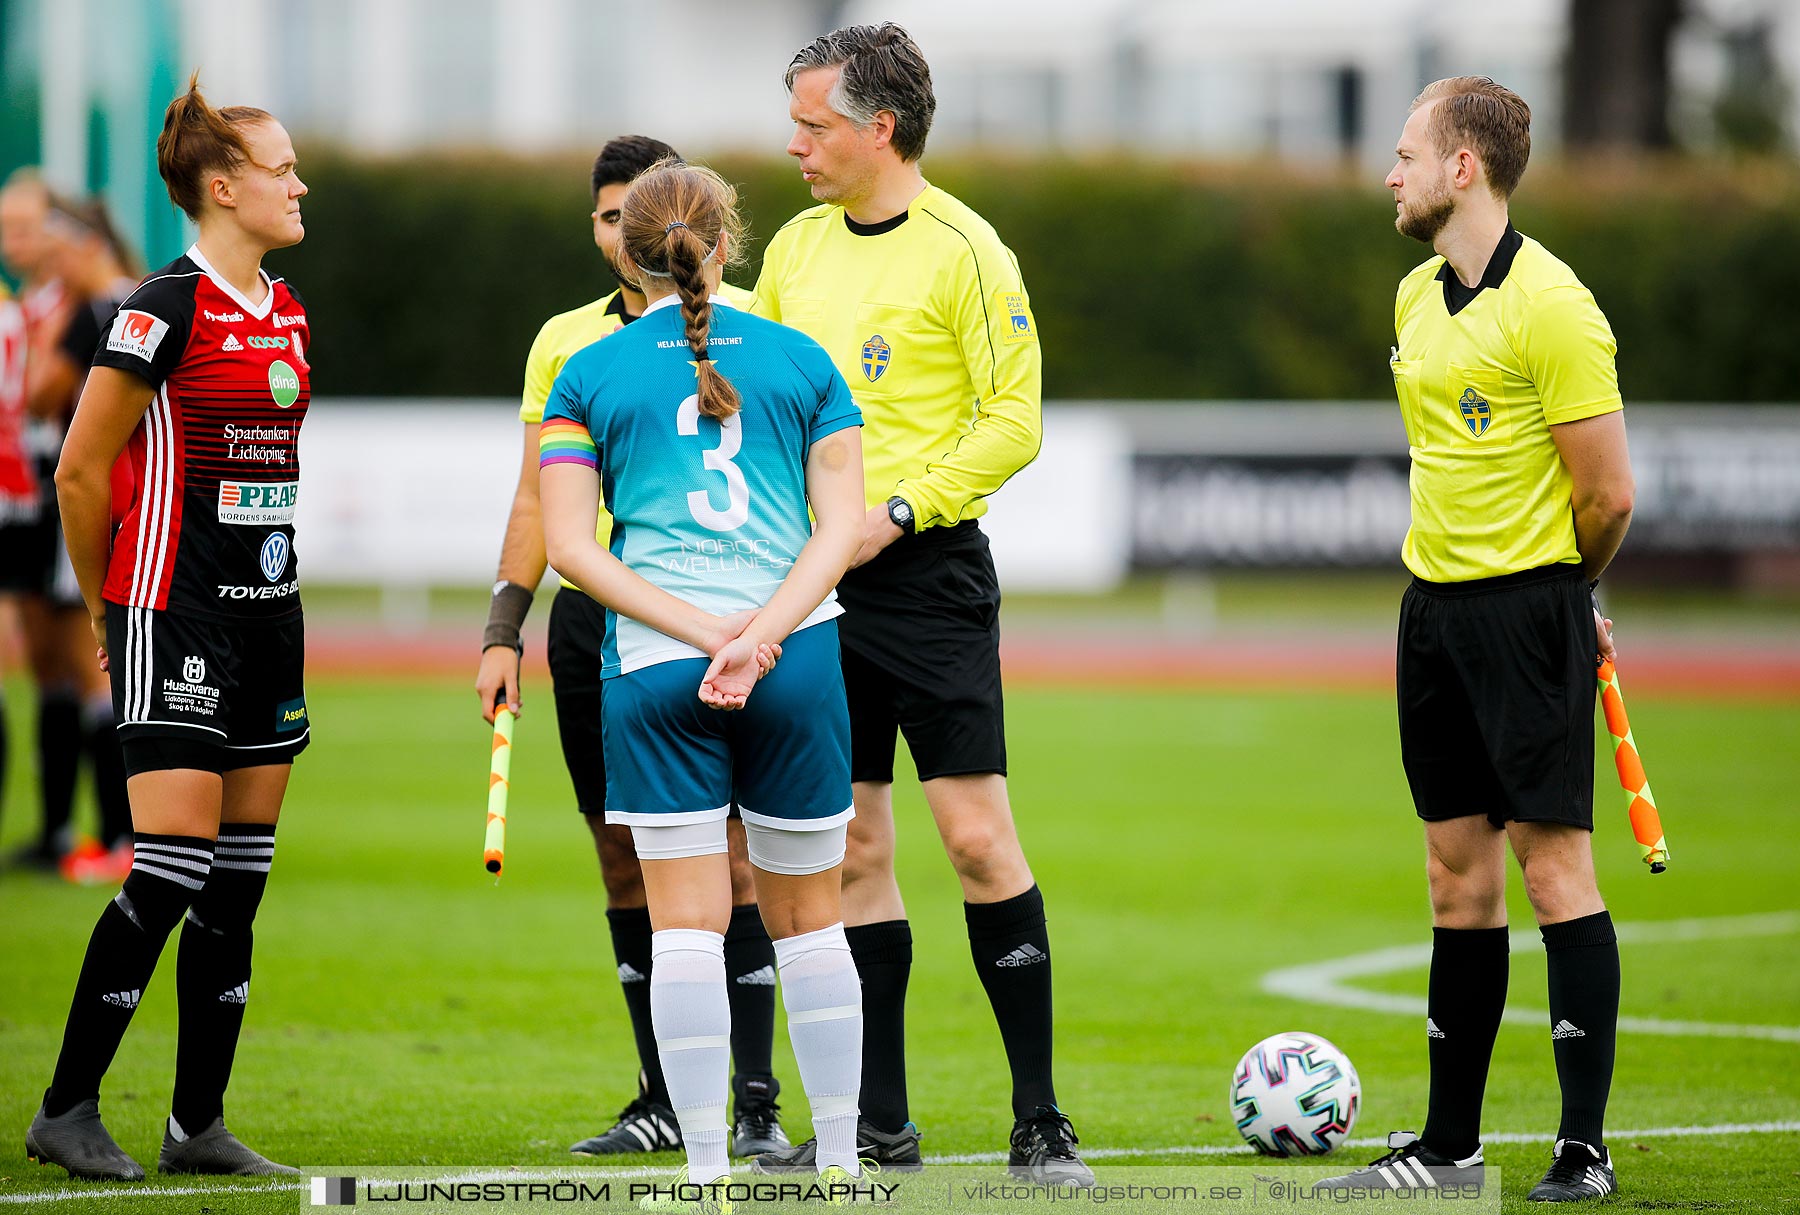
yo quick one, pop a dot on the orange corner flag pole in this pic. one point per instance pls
(499, 784)
(1646, 823)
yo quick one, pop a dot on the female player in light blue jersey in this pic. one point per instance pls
(711, 432)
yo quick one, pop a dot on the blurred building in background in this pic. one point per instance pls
(1310, 82)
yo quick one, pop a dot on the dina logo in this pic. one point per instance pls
(284, 383)
(1477, 416)
(274, 556)
(876, 355)
(193, 669)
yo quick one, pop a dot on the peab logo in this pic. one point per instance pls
(284, 383)
(258, 503)
(275, 556)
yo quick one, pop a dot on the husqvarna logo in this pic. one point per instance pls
(193, 669)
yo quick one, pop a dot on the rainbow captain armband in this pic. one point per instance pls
(565, 441)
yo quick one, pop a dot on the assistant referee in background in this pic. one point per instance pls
(1521, 493)
(924, 311)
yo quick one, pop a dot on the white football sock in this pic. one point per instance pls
(692, 1016)
(825, 1022)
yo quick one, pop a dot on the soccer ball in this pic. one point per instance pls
(1295, 1094)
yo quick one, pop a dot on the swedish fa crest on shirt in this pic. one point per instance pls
(876, 355)
(1477, 415)
(1019, 326)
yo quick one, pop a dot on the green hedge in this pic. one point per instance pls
(429, 276)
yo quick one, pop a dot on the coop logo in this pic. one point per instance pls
(1018, 317)
(258, 504)
(284, 381)
(193, 669)
(1477, 416)
(283, 322)
(136, 333)
(876, 355)
(334, 1191)
(223, 318)
(267, 343)
(274, 557)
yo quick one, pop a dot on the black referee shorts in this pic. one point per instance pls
(920, 640)
(577, 632)
(1496, 689)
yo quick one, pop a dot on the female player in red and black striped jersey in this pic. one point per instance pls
(200, 381)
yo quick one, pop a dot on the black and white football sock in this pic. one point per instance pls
(630, 928)
(750, 985)
(1583, 957)
(1465, 998)
(883, 954)
(212, 972)
(168, 871)
(102, 741)
(1010, 943)
(59, 761)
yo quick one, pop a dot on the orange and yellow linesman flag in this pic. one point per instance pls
(499, 784)
(1646, 823)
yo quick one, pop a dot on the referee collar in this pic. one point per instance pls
(1457, 297)
(616, 307)
(877, 229)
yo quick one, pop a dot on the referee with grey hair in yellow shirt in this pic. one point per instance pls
(1521, 494)
(924, 311)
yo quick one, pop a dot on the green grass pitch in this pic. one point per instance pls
(409, 1012)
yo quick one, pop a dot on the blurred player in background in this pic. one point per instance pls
(577, 628)
(202, 379)
(20, 493)
(98, 272)
(32, 546)
(924, 311)
(713, 431)
(1521, 494)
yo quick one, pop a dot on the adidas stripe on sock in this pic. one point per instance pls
(166, 872)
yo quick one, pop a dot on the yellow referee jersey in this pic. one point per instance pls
(564, 334)
(1482, 376)
(927, 318)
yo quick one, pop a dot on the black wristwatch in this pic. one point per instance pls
(900, 513)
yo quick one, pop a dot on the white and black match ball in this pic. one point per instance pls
(1295, 1094)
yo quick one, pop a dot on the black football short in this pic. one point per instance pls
(192, 693)
(1496, 689)
(577, 632)
(920, 640)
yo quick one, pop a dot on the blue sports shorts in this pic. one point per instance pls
(783, 759)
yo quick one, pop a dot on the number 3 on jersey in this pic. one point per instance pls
(737, 493)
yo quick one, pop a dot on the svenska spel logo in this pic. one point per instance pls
(876, 354)
(1477, 416)
(136, 333)
(284, 384)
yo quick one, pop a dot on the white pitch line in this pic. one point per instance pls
(1327, 982)
(601, 1174)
